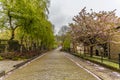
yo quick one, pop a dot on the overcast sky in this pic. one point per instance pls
(62, 11)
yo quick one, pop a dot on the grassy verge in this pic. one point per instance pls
(97, 59)
(106, 62)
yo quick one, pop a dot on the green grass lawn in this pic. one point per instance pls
(106, 61)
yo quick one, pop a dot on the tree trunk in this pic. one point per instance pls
(85, 51)
(109, 57)
(12, 29)
(21, 44)
(91, 51)
(12, 34)
(74, 47)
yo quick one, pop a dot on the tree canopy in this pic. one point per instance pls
(27, 21)
(94, 28)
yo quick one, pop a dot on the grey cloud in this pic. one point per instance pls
(62, 11)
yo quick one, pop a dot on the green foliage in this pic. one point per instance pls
(13, 45)
(5, 35)
(66, 44)
(27, 22)
(1, 58)
(17, 58)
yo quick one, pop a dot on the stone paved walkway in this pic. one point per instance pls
(102, 72)
(52, 66)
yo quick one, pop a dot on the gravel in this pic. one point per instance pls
(7, 65)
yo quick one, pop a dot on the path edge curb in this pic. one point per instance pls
(22, 66)
(97, 77)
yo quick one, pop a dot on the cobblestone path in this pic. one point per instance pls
(52, 66)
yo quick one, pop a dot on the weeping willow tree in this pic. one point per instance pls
(27, 20)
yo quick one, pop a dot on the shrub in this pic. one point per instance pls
(13, 45)
(1, 58)
(66, 44)
(19, 56)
